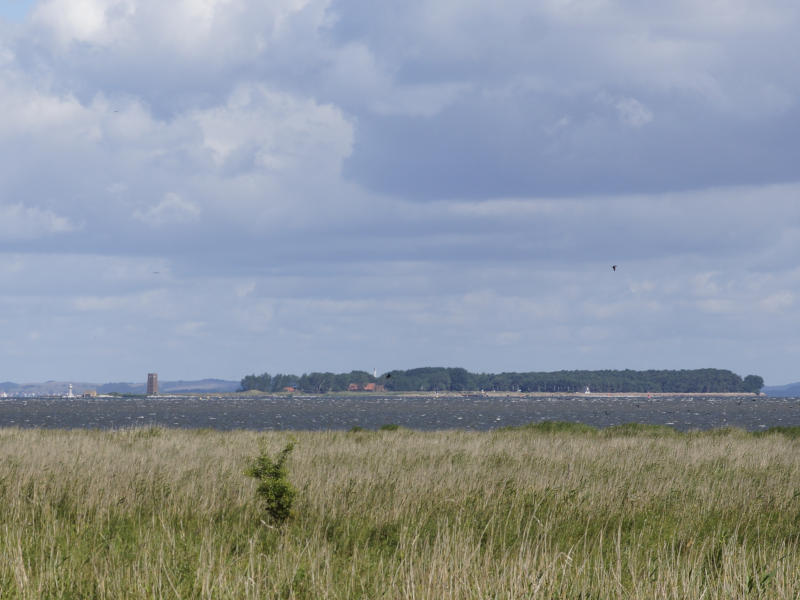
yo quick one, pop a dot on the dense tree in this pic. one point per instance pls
(753, 383)
(262, 383)
(461, 380)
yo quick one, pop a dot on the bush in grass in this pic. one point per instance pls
(640, 430)
(274, 487)
(555, 427)
(791, 431)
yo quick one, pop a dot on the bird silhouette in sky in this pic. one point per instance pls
(613, 267)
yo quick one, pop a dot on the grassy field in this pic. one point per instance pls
(551, 511)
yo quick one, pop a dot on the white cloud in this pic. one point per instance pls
(275, 131)
(256, 316)
(78, 20)
(190, 328)
(18, 222)
(704, 284)
(778, 302)
(245, 289)
(629, 111)
(32, 112)
(147, 303)
(717, 305)
(102, 303)
(171, 210)
(633, 113)
(245, 161)
(219, 32)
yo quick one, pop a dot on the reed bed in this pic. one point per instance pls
(537, 512)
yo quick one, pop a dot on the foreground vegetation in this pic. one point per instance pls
(430, 379)
(547, 511)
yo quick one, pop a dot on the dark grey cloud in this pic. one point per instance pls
(493, 147)
(575, 100)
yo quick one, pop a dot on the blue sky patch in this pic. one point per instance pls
(16, 10)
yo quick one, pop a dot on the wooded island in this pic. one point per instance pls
(432, 379)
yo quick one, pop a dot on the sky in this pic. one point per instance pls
(213, 188)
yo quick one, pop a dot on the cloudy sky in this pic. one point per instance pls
(223, 187)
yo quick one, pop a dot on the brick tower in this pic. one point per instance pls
(152, 384)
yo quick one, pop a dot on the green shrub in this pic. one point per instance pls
(389, 427)
(640, 429)
(790, 431)
(274, 487)
(551, 427)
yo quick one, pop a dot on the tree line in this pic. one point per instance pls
(429, 379)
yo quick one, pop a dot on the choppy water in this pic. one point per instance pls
(423, 413)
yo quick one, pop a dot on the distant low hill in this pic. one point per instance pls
(782, 391)
(173, 387)
(208, 386)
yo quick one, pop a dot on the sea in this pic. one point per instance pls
(424, 412)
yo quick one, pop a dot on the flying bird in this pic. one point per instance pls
(613, 267)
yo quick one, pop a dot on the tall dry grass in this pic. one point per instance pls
(527, 513)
